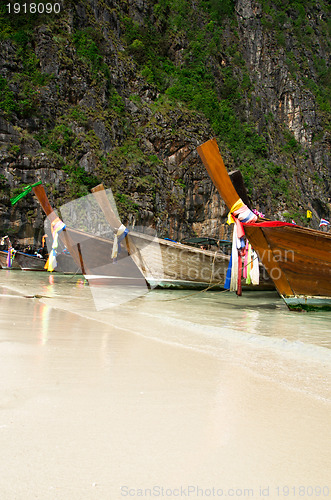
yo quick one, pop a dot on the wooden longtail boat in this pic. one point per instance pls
(298, 259)
(28, 262)
(161, 263)
(169, 264)
(91, 253)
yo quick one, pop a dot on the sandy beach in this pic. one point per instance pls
(93, 409)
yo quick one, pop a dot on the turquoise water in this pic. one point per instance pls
(253, 315)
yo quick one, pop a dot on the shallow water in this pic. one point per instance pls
(263, 314)
(172, 394)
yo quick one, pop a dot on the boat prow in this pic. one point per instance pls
(298, 259)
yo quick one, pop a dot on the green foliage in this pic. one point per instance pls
(21, 37)
(129, 151)
(7, 97)
(79, 181)
(59, 140)
(299, 216)
(144, 183)
(196, 89)
(15, 149)
(88, 43)
(77, 114)
(267, 179)
(116, 102)
(291, 145)
(125, 205)
(193, 82)
(219, 10)
(25, 101)
(292, 18)
(154, 160)
(28, 103)
(180, 183)
(138, 50)
(87, 48)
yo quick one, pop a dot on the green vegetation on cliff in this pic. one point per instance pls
(78, 82)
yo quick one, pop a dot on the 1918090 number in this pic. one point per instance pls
(34, 8)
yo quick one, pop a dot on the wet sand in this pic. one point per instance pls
(95, 410)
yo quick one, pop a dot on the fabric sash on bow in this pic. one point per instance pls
(118, 237)
(238, 215)
(251, 271)
(56, 227)
(10, 250)
(10, 256)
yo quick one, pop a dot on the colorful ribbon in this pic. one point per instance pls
(10, 256)
(241, 252)
(119, 236)
(56, 227)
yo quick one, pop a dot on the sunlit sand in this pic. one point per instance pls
(114, 405)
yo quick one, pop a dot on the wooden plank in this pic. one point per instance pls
(40, 193)
(260, 244)
(103, 202)
(212, 160)
(304, 256)
(114, 222)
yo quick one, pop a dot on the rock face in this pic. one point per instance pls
(79, 107)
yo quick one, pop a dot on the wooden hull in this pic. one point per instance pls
(29, 262)
(160, 263)
(144, 258)
(92, 257)
(168, 264)
(66, 264)
(297, 259)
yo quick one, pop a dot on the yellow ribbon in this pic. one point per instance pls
(239, 203)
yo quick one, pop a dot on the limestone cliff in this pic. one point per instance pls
(123, 91)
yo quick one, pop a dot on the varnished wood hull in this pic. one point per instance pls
(297, 259)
